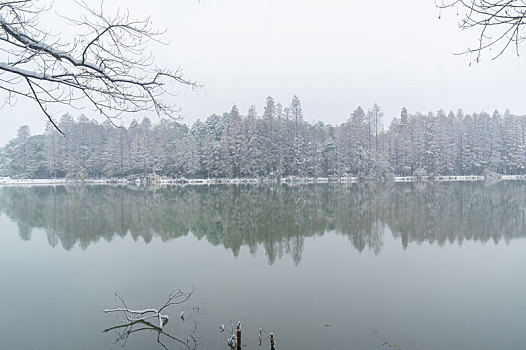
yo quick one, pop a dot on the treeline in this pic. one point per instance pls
(277, 218)
(278, 143)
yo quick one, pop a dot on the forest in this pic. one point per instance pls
(279, 143)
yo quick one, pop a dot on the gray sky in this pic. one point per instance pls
(335, 55)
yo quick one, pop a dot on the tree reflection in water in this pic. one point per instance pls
(276, 218)
(124, 331)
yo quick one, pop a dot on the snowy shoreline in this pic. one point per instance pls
(159, 181)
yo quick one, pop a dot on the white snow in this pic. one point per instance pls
(6, 181)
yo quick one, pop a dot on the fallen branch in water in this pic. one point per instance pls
(175, 297)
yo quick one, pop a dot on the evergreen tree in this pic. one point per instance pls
(280, 143)
(22, 152)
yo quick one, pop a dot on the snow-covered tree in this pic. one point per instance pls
(22, 153)
(280, 143)
(232, 141)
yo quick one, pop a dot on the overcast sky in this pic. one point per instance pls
(335, 55)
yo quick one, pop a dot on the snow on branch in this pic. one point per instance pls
(107, 66)
(134, 315)
(501, 23)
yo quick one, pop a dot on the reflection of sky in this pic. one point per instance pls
(423, 297)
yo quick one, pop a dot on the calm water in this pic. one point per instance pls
(388, 266)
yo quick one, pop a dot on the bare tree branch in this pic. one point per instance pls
(107, 67)
(141, 318)
(501, 23)
(175, 297)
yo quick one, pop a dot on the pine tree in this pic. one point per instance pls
(297, 118)
(268, 138)
(404, 145)
(51, 145)
(250, 151)
(22, 152)
(232, 142)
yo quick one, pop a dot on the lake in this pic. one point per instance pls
(357, 266)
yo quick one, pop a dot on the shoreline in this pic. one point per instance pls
(159, 181)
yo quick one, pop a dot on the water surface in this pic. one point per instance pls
(419, 266)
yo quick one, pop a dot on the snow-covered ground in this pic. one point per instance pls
(46, 182)
(6, 181)
(513, 177)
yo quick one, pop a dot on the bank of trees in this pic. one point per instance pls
(277, 143)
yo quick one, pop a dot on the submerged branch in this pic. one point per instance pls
(176, 297)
